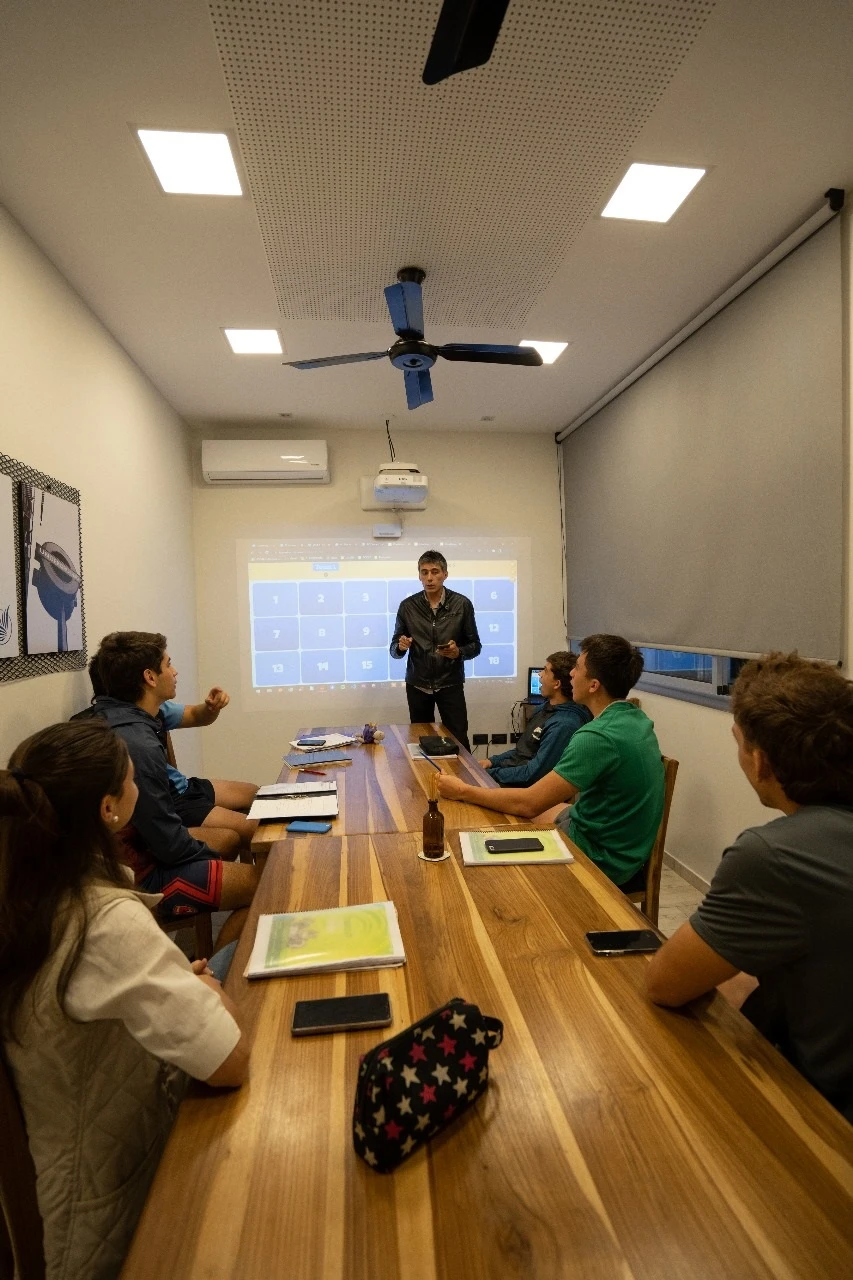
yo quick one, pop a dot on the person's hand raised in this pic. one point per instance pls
(217, 700)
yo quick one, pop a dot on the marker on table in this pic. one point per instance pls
(321, 773)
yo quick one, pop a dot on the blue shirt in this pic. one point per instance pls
(172, 713)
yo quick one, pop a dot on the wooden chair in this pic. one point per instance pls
(644, 887)
(201, 922)
(21, 1239)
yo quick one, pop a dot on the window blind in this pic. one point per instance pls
(703, 506)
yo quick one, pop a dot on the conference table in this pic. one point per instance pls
(385, 788)
(615, 1138)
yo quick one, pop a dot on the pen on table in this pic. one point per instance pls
(432, 762)
(321, 773)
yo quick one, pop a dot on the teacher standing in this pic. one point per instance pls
(438, 631)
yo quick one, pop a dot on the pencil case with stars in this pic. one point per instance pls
(415, 1084)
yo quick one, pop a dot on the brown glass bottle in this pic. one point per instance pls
(433, 831)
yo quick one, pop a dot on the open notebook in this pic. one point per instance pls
(282, 801)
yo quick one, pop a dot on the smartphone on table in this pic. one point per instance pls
(311, 828)
(623, 942)
(341, 1013)
(516, 844)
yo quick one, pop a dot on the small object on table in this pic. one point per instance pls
(319, 773)
(433, 826)
(371, 734)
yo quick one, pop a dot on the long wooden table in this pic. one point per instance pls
(384, 789)
(616, 1139)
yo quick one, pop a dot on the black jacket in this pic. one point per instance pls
(452, 620)
(167, 839)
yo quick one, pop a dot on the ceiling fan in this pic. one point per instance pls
(411, 353)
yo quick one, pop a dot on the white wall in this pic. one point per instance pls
(75, 406)
(480, 484)
(712, 801)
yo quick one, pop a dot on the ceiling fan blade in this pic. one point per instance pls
(483, 353)
(418, 387)
(324, 362)
(464, 37)
(405, 303)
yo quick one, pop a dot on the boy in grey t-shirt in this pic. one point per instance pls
(780, 907)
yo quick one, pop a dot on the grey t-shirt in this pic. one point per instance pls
(780, 907)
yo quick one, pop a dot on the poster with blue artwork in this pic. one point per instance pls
(10, 639)
(50, 558)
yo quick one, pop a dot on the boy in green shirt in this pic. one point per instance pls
(612, 767)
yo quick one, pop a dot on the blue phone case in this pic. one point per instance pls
(317, 828)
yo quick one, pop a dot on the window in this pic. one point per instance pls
(698, 677)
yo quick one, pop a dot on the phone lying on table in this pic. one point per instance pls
(518, 844)
(341, 1013)
(621, 942)
(314, 828)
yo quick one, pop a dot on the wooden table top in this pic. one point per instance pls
(616, 1139)
(384, 789)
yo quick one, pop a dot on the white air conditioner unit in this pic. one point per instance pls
(265, 461)
(398, 485)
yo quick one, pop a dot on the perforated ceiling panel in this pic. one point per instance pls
(357, 168)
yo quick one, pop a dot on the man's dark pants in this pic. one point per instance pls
(451, 709)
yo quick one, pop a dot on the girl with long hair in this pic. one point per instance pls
(101, 1015)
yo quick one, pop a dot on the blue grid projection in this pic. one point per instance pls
(338, 632)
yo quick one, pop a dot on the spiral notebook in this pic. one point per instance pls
(474, 853)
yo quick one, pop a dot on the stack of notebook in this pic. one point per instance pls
(285, 800)
(366, 936)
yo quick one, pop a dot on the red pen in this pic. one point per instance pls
(321, 773)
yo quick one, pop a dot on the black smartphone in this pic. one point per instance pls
(519, 844)
(341, 1013)
(620, 942)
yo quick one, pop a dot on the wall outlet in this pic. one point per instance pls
(480, 739)
(498, 739)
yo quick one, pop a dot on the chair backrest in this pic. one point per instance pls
(655, 862)
(21, 1238)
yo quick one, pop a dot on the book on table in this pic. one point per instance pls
(475, 853)
(323, 740)
(301, 759)
(366, 936)
(282, 801)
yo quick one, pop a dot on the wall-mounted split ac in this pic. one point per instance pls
(265, 462)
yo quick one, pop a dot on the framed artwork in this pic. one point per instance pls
(10, 638)
(52, 578)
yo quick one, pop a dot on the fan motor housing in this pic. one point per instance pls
(413, 353)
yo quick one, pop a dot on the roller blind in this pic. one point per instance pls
(704, 505)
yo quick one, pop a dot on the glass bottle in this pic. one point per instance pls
(433, 831)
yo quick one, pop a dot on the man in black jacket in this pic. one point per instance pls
(438, 631)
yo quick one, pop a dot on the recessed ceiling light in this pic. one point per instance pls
(193, 164)
(254, 342)
(547, 350)
(651, 192)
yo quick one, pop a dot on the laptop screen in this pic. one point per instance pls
(534, 692)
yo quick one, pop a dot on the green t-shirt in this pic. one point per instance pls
(615, 763)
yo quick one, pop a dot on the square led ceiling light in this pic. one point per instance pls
(193, 164)
(651, 192)
(254, 342)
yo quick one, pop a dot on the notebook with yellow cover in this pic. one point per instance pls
(366, 936)
(475, 854)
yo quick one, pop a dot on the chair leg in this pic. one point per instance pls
(204, 935)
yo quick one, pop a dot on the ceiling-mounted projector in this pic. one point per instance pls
(400, 484)
(397, 485)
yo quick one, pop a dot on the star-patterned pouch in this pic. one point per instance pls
(412, 1086)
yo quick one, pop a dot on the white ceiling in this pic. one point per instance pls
(492, 181)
